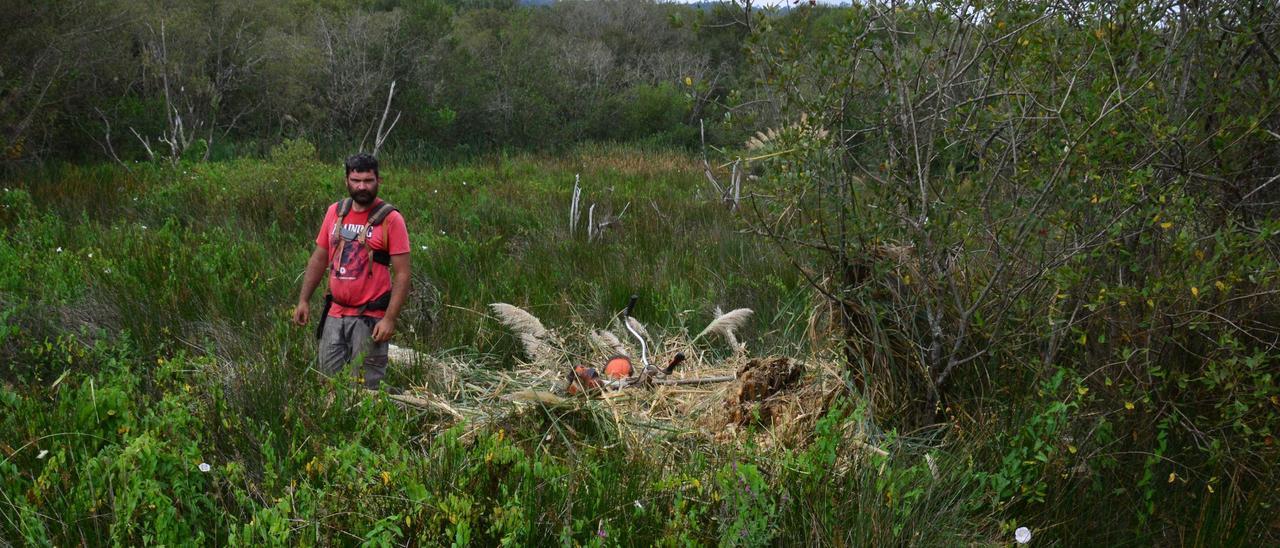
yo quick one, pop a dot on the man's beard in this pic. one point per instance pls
(363, 197)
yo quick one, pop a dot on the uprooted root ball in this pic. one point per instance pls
(752, 398)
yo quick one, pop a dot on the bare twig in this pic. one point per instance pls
(381, 136)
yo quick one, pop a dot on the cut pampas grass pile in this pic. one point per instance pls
(462, 391)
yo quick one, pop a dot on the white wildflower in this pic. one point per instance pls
(43, 454)
(59, 250)
(204, 467)
(1022, 535)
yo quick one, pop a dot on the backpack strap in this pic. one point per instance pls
(379, 214)
(344, 207)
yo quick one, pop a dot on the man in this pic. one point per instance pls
(358, 240)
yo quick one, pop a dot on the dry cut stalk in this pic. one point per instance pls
(700, 380)
(420, 403)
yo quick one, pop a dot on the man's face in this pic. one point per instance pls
(363, 186)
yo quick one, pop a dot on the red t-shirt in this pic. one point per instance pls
(353, 276)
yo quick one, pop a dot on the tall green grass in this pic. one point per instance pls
(144, 331)
(226, 242)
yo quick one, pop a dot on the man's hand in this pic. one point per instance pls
(302, 313)
(383, 330)
(310, 279)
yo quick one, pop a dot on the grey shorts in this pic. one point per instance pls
(349, 339)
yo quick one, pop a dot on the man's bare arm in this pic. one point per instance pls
(399, 293)
(310, 280)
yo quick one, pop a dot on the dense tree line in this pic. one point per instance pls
(94, 79)
(1057, 220)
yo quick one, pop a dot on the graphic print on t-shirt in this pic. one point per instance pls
(354, 259)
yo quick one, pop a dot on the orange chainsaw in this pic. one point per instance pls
(618, 371)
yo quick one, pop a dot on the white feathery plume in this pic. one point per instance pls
(525, 325)
(535, 348)
(726, 323)
(518, 320)
(609, 341)
(728, 334)
(803, 128)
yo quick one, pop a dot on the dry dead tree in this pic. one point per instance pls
(380, 136)
(595, 225)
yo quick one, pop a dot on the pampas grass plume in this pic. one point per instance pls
(726, 323)
(609, 341)
(526, 326)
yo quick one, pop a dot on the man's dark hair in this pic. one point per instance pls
(362, 162)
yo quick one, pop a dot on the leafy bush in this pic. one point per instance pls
(992, 214)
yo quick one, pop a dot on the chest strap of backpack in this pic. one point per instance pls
(376, 217)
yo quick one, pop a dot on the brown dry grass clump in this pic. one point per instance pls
(648, 163)
(776, 399)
